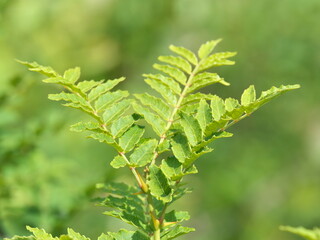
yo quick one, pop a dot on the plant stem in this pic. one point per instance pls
(156, 234)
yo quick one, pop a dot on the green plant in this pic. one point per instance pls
(184, 122)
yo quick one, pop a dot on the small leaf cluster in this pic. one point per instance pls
(184, 120)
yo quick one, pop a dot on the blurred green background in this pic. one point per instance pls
(268, 174)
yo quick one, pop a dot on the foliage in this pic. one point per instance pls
(184, 122)
(303, 232)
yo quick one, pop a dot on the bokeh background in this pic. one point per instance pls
(268, 174)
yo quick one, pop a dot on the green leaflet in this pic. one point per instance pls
(183, 52)
(86, 126)
(206, 48)
(103, 88)
(175, 232)
(86, 85)
(155, 121)
(105, 138)
(181, 148)
(233, 108)
(191, 128)
(248, 96)
(102, 137)
(217, 59)
(108, 98)
(172, 72)
(118, 162)
(231, 104)
(174, 170)
(78, 106)
(214, 77)
(203, 115)
(69, 97)
(190, 108)
(168, 81)
(303, 232)
(214, 136)
(215, 127)
(195, 155)
(143, 154)
(76, 236)
(35, 67)
(121, 125)
(156, 104)
(203, 83)
(115, 111)
(159, 184)
(218, 108)
(196, 97)
(72, 75)
(130, 138)
(177, 62)
(174, 216)
(164, 146)
(202, 80)
(163, 90)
